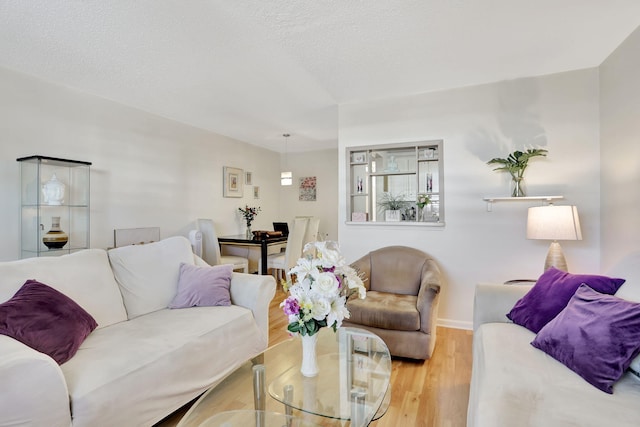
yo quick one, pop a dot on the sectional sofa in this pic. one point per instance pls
(143, 360)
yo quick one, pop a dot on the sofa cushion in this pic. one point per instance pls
(595, 336)
(148, 274)
(132, 373)
(203, 286)
(396, 269)
(515, 384)
(45, 320)
(552, 292)
(386, 311)
(84, 276)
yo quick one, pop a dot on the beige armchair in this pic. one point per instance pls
(401, 307)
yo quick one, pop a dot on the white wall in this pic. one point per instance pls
(620, 150)
(558, 112)
(324, 166)
(147, 170)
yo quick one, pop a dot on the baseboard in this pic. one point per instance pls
(455, 324)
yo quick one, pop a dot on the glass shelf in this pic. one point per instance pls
(70, 204)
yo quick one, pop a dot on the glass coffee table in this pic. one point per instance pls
(351, 388)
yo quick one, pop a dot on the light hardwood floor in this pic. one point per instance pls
(433, 393)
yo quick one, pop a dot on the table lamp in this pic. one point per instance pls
(554, 223)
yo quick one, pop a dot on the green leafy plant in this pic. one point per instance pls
(249, 213)
(517, 162)
(393, 203)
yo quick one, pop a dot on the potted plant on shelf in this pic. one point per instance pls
(515, 164)
(392, 206)
(422, 200)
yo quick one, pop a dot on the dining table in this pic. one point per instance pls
(263, 242)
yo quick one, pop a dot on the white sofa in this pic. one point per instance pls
(144, 360)
(515, 384)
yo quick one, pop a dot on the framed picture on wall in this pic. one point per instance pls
(232, 179)
(248, 178)
(256, 192)
(308, 189)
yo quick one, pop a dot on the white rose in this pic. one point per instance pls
(326, 284)
(321, 307)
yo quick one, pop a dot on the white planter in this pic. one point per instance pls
(392, 216)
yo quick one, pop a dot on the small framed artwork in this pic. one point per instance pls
(248, 178)
(256, 192)
(232, 178)
(308, 189)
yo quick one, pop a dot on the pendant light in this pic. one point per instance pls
(286, 178)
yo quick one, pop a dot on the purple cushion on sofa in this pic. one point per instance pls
(203, 286)
(552, 292)
(596, 336)
(46, 320)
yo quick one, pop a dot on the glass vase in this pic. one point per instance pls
(249, 234)
(309, 367)
(423, 214)
(518, 187)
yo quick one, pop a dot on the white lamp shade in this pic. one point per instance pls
(286, 178)
(553, 223)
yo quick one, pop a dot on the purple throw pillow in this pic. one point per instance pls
(203, 286)
(551, 293)
(46, 320)
(596, 336)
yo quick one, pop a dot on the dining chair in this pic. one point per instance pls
(211, 248)
(283, 262)
(311, 234)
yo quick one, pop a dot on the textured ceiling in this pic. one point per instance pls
(254, 69)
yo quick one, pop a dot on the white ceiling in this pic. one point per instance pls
(254, 69)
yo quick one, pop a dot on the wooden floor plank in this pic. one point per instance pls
(432, 393)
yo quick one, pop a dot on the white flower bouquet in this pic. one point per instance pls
(319, 285)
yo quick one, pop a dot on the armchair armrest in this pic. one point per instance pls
(254, 292)
(363, 268)
(34, 390)
(429, 297)
(492, 302)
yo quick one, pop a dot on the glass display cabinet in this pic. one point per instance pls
(390, 184)
(54, 218)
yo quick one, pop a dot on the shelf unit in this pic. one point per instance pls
(491, 200)
(36, 213)
(404, 169)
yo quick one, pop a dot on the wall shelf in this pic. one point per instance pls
(491, 200)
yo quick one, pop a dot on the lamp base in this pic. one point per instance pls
(555, 258)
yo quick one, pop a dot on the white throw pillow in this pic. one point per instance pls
(148, 274)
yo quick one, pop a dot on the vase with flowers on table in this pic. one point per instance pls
(318, 286)
(249, 214)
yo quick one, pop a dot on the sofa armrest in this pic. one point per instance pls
(34, 391)
(492, 302)
(254, 292)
